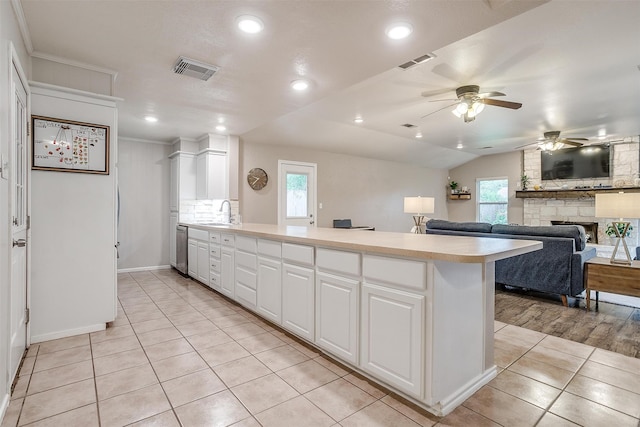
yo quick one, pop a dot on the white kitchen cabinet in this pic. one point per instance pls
(192, 258)
(246, 271)
(173, 222)
(337, 302)
(269, 298)
(227, 265)
(392, 336)
(337, 315)
(183, 179)
(298, 300)
(203, 262)
(211, 175)
(214, 262)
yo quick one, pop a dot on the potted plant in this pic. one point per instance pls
(453, 185)
(611, 232)
(524, 180)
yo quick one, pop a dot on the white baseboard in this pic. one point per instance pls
(150, 268)
(68, 333)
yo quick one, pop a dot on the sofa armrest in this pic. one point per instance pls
(577, 268)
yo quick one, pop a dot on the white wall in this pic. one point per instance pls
(143, 179)
(9, 33)
(73, 269)
(368, 191)
(497, 165)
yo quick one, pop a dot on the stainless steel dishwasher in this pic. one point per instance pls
(181, 249)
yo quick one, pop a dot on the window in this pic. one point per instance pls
(297, 203)
(493, 198)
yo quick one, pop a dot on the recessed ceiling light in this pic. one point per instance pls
(358, 120)
(300, 85)
(399, 30)
(221, 128)
(419, 135)
(151, 119)
(250, 24)
(459, 146)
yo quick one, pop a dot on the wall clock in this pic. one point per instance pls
(257, 178)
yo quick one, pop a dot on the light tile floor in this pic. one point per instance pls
(179, 354)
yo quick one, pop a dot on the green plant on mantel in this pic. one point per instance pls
(453, 185)
(611, 232)
(524, 180)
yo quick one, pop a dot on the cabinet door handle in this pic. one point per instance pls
(21, 243)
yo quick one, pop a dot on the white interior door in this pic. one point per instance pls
(297, 193)
(19, 228)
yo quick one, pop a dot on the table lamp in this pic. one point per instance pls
(418, 206)
(619, 205)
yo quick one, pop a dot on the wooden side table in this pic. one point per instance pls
(601, 275)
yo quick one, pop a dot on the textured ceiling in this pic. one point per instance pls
(573, 65)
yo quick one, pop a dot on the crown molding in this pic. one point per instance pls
(22, 25)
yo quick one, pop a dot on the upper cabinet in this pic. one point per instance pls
(212, 175)
(183, 179)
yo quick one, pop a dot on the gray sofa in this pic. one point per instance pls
(557, 268)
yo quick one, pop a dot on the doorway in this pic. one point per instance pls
(297, 193)
(18, 209)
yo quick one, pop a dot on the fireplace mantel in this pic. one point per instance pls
(582, 193)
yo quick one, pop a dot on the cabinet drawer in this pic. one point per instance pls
(298, 254)
(246, 260)
(227, 239)
(214, 251)
(214, 238)
(395, 271)
(194, 233)
(338, 261)
(246, 296)
(247, 244)
(215, 264)
(214, 279)
(270, 248)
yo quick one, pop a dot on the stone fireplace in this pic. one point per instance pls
(581, 210)
(590, 228)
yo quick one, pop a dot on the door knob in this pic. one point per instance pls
(21, 243)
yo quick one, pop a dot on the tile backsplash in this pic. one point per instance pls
(197, 211)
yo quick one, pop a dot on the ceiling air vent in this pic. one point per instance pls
(418, 60)
(408, 125)
(193, 68)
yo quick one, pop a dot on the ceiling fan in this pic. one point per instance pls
(552, 141)
(471, 102)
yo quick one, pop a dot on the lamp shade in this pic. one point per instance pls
(419, 205)
(618, 205)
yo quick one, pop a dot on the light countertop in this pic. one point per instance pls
(422, 246)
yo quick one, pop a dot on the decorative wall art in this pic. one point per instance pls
(68, 146)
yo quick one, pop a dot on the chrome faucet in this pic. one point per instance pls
(222, 206)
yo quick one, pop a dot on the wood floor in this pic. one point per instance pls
(613, 327)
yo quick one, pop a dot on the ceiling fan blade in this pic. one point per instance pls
(490, 94)
(498, 103)
(440, 100)
(525, 145)
(568, 142)
(429, 93)
(443, 108)
(576, 139)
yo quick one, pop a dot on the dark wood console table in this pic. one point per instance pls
(601, 275)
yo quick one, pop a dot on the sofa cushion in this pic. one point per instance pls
(575, 232)
(441, 224)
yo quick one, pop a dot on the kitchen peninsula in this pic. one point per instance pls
(412, 312)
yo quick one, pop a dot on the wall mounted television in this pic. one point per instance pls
(591, 161)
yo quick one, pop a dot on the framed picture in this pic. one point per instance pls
(68, 146)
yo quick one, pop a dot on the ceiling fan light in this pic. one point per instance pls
(455, 113)
(478, 107)
(462, 108)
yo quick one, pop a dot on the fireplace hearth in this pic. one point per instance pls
(590, 228)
